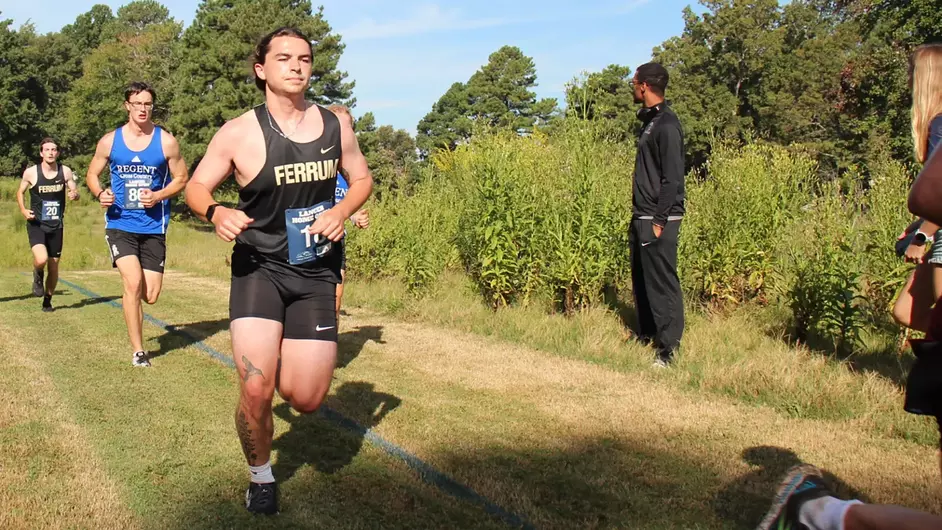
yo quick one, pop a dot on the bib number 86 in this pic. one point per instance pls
(134, 194)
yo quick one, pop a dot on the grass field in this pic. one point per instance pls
(558, 421)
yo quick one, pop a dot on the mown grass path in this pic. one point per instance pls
(566, 443)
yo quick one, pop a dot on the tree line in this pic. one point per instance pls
(68, 83)
(830, 76)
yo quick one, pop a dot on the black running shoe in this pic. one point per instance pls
(140, 359)
(38, 282)
(47, 304)
(262, 498)
(802, 483)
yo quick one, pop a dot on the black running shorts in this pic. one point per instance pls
(150, 249)
(51, 239)
(264, 288)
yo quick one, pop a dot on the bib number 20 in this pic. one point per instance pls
(51, 211)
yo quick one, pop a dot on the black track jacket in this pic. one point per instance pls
(658, 190)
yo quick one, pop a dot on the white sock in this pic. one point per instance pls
(262, 474)
(826, 513)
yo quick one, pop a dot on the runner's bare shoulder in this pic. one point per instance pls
(235, 131)
(29, 174)
(105, 144)
(167, 139)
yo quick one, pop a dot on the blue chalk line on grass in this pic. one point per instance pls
(426, 472)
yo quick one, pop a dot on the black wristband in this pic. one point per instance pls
(210, 211)
(98, 197)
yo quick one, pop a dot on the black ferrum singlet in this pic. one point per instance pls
(295, 175)
(48, 190)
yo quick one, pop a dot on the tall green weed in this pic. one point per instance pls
(546, 217)
(744, 203)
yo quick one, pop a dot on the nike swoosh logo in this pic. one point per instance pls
(646, 244)
(319, 328)
(323, 151)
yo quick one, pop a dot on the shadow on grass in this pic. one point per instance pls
(320, 441)
(89, 301)
(371, 496)
(626, 312)
(27, 296)
(351, 343)
(881, 356)
(885, 361)
(571, 483)
(185, 335)
(744, 501)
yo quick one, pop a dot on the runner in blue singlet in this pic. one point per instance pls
(146, 171)
(361, 219)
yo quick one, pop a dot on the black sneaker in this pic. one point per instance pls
(47, 304)
(262, 498)
(802, 483)
(140, 359)
(663, 359)
(38, 289)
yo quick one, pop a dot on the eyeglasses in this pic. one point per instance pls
(141, 104)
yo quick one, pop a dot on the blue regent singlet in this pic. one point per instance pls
(341, 192)
(131, 172)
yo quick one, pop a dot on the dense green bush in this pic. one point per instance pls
(737, 212)
(546, 217)
(410, 237)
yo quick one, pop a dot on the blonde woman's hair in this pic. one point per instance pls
(341, 111)
(927, 94)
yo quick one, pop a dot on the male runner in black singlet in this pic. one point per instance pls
(285, 155)
(47, 183)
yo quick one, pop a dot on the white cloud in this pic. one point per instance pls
(425, 19)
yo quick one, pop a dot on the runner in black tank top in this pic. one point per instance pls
(286, 155)
(47, 200)
(295, 177)
(274, 261)
(47, 197)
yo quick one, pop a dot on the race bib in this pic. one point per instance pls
(132, 191)
(304, 247)
(51, 211)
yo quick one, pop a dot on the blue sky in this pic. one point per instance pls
(404, 54)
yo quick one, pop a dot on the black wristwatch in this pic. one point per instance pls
(210, 211)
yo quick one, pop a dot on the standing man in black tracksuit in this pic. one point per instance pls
(658, 201)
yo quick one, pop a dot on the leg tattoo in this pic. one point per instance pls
(245, 436)
(250, 369)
